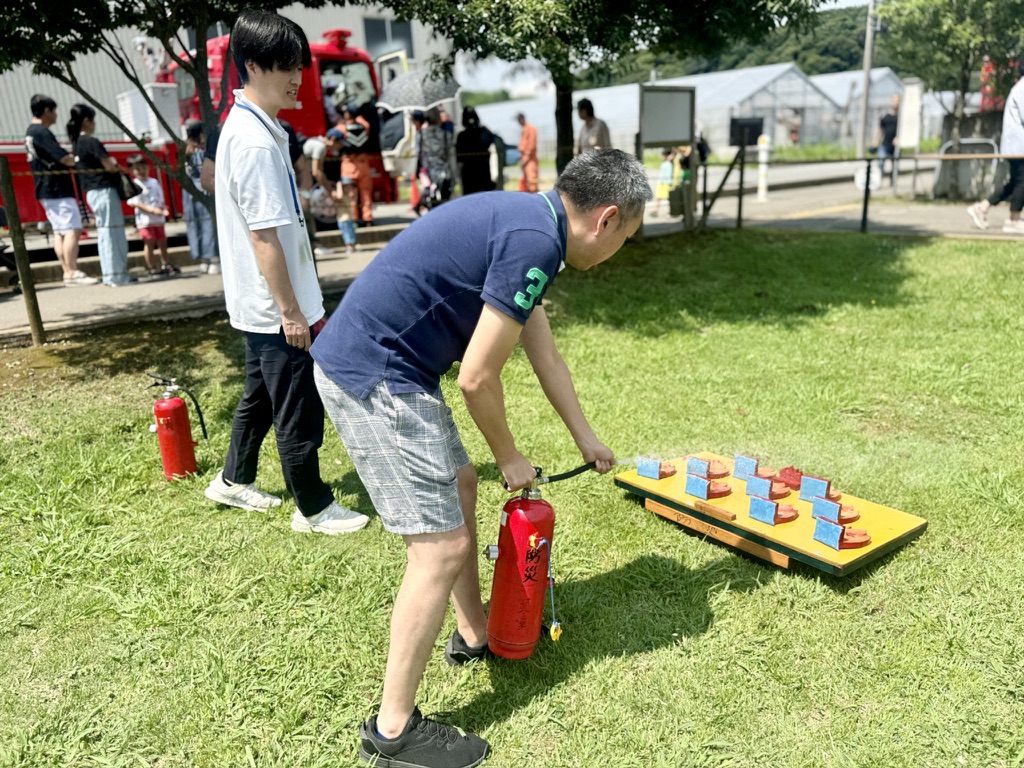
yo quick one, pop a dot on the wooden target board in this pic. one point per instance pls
(811, 538)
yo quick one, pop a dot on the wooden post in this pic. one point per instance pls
(28, 286)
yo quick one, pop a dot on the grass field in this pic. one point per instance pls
(142, 626)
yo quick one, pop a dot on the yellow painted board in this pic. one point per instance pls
(889, 528)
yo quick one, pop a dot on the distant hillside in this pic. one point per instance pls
(835, 45)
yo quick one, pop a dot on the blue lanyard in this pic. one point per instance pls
(288, 170)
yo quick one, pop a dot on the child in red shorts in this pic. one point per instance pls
(150, 214)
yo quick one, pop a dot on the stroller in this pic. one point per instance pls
(435, 188)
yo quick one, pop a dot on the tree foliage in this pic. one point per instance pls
(51, 36)
(566, 35)
(943, 41)
(834, 44)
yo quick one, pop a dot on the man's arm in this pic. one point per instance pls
(489, 348)
(207, 175)
(556, 381)
(270, 259)
(318, 173)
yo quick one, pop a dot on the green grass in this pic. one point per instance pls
(139, 625)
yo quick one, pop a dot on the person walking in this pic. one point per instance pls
(435, 146)
(99, 176)
(151, 214)
(462, 284)
(885, 139)
(594, 132)
(270, 283)
(354, 134)
(50, 164)
(666, 180)
(528, 155)
(473, 154)
(1011, 142)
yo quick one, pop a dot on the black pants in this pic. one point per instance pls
(280, 391)
(1014, 189)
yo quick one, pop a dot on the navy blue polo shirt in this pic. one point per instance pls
(412, 311)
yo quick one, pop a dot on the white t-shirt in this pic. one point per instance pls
(315, 149)
(254, 191)
(151, 195)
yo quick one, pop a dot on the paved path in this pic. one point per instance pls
(822, 207)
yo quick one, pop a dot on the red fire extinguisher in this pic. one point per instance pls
(174, 430)
(522, 571)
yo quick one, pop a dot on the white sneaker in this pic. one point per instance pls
(241, 496)
(334, 519)
(321, 251)
(978, 216)
(78, 277)
(214, 268)
(1014, 227)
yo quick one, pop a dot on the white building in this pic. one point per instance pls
(846, 89)
(780, 93)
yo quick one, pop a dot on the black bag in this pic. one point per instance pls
(125, 186)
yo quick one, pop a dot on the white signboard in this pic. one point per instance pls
(908, 130)
(666, 115)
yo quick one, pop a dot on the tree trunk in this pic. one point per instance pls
(561, 76)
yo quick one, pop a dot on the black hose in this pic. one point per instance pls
(199, 411)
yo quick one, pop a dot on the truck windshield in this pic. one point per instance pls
(345, 82)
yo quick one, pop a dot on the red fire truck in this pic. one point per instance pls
(340, 74)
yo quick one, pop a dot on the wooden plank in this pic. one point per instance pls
(726, 537)
(712, 511)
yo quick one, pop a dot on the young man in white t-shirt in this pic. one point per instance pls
(270, 282)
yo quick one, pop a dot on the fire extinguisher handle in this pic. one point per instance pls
(538, 472)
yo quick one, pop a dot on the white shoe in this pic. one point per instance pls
(214, 268)
(321, 251)
(978, 216)
(241, 496)
(1014, 227)
(334, 519)
(78, 277)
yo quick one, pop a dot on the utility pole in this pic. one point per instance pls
(869, 44)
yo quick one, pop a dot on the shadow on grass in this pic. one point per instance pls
(683, 282)
(652, 602)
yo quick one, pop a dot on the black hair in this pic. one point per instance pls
(470, 117)
(79, 114)
(40, 104)
(606, 177)
(134, 160)
(586, 107)
(269, 41)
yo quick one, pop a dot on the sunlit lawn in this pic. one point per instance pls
(140, 625)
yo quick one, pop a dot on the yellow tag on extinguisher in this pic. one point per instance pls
(556, 631)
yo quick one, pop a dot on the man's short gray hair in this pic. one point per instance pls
(606, 177)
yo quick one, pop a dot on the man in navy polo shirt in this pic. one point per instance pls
(463, 283)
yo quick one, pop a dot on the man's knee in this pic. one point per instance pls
(468, 480)
(442, 553)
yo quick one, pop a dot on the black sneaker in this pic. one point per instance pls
(457, 653)
(423, 744)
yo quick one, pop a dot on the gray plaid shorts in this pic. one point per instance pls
(406, 450)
